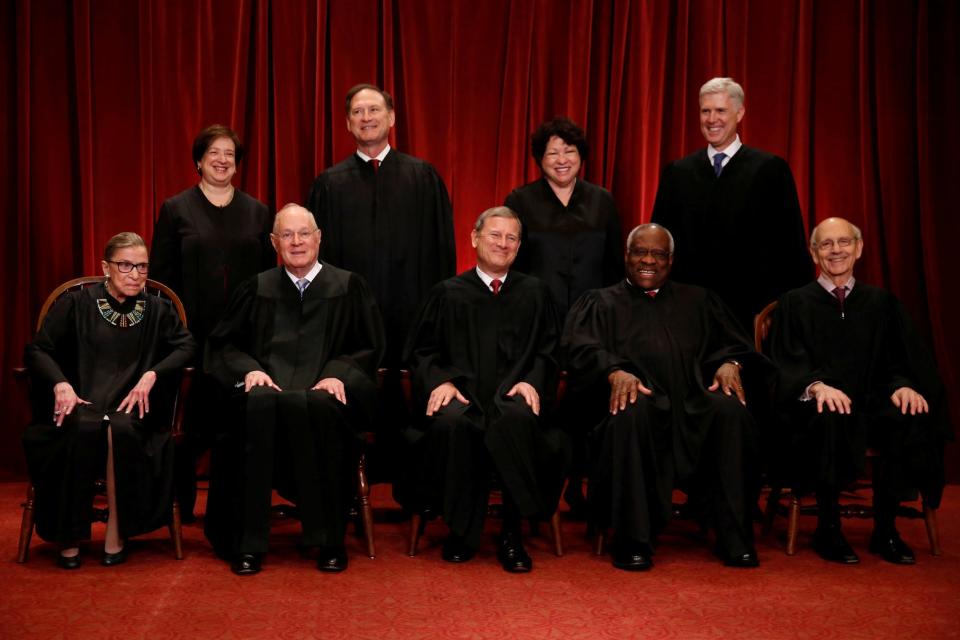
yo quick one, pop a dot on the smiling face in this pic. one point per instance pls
(496, 243)
(719, 117)
(219, 162)
(370, 121)
(835, 260)
(125, 285)
(648, 259)
(560, 163)
(296, 240)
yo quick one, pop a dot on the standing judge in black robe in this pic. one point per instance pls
(572, 241)
(300, 344)
(386, 216)
(104, 368)
(671, 354)
(854, 373)
(207, 240)
(731, 207)
(484, 372)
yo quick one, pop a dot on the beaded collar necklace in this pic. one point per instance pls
(118, 318)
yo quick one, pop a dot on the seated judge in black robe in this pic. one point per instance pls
(728, 196)
(300, 345)
(386, 216)
(105, 367)
(207, 240)
(484, 372)
(854, 373)
(677, 417)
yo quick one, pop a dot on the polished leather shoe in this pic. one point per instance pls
(831, 545)
(746, 560)
(891, 548)
(68, 562)
(332, 559)
(113, 559)
(631, 558)
(512, 556)
(245, 564)
(456, 550)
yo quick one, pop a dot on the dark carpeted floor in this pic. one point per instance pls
(689, 594)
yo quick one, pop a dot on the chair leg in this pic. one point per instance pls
(415, 521)
(773, 505)
(26, 527)
(366, 509)
(793, 522)
(557, 533)
(598, 543)
(176, 531)
(933, 531)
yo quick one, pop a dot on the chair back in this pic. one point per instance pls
(762, 324)
(151, 287)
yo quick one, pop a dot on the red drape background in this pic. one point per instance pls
(101, 100)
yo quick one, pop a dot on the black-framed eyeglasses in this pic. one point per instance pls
(126, 267)
(658, 254)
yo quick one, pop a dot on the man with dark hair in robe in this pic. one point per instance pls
(731, 207)
(670, 357)
(299, 345)
(854, 373)
(386, 216)
(482, 354)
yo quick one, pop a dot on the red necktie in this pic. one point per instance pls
(376, 165)
(841, 294)
(495, 285)
(651, 292)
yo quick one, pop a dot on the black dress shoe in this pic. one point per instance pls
(631, 556)
(831, 545)
(512, 556)
(456, 550)
(68, 562)
(746, 560)
(891, 548)
(245, 564)
(113, 559)
(332, 559)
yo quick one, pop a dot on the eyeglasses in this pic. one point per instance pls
(126, 267)
(497, 237)
(827, 245)
(658, 254)
(303, 235)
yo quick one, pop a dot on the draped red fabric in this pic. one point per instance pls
(102, 100)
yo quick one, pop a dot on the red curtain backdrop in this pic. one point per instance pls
(102, 100)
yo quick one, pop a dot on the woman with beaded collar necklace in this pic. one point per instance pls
(104, 369)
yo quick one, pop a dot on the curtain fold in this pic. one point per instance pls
(103, 99)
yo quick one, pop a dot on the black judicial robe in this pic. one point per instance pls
(674, 343)
(394, 228)
(103, 363)
(302, 441)
(868, 353)
(203, 252)
(741, 234)
(571, 248)
(484, 345)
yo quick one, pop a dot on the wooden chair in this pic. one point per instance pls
(417, 522)
(152, 287)
(762, 325)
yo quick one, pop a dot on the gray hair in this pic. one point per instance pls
(723, 85)
(496, 212)
(123, 240)
(293, 205)
(857, 234)
(650, 226)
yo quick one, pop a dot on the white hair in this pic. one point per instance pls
(650, 226)
(723, 85)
